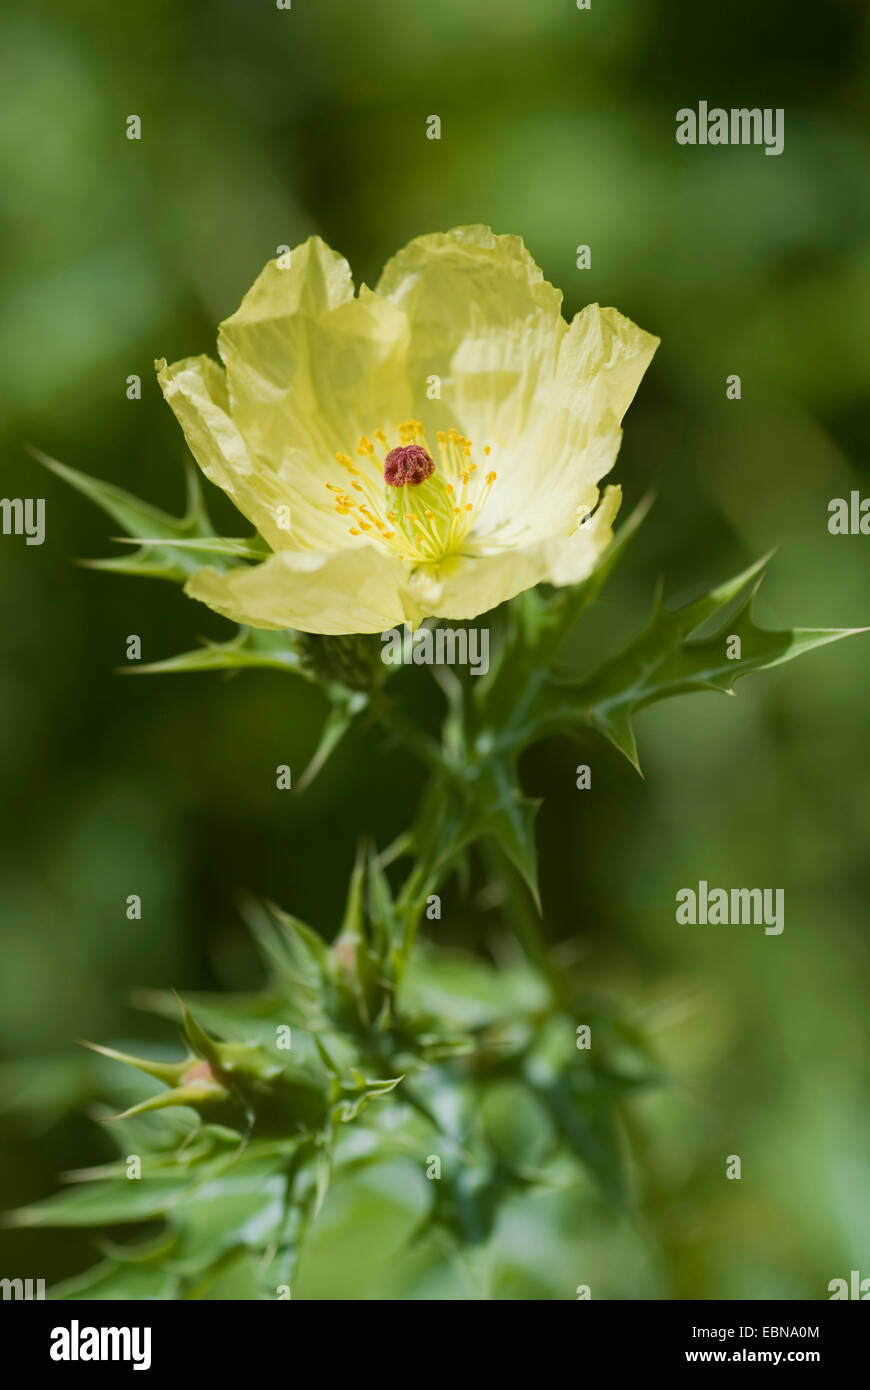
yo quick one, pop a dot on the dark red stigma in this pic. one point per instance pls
(409, 463)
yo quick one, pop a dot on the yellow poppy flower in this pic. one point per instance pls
(429, 448)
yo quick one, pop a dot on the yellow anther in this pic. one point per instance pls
(438, 526)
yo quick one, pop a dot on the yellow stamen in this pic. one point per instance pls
(421, 523)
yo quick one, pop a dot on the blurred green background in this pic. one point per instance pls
(260, 127)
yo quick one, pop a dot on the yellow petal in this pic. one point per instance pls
(483, 320)
(569, 559)
(602, 361)
(196, 390)
(354, 590)
(310, 368)
(470, 585)
(573, 438)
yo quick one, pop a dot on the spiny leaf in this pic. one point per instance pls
(168, 1072)
(233, 547)
(669, 658)
(342, 716)
(361, 952)
(196, 1094)
(589, 1126)
(299, 955)
(496, 806)
(383, 916)
(361, 1092)
(353, 919)
(157, 532)
(199, 1040)
(250, 647)
(106, 1204)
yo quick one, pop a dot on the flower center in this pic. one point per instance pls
(413, 506)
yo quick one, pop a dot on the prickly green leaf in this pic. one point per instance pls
(343, 715)
(229, 547)
(199, 1040)
(299, 957)
(168, 1072)
(250, 647)
(109, 1204)
(463, 990)
(120, 1283)
(360, 1092)
(159, 534)
(203, 1096)
(588, 1124)
(497, 807)
(671, 657)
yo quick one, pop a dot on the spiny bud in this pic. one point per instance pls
(244, 1087)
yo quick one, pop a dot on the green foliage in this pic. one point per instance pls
(169, 547)
(671, 657)
(403, 1057)
(239, 1140)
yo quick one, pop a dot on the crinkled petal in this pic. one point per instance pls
(602, 359)
(483, 319)
(310, 368)
(196, 390)
(470, 585)
(354, 590)
(574, 438)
